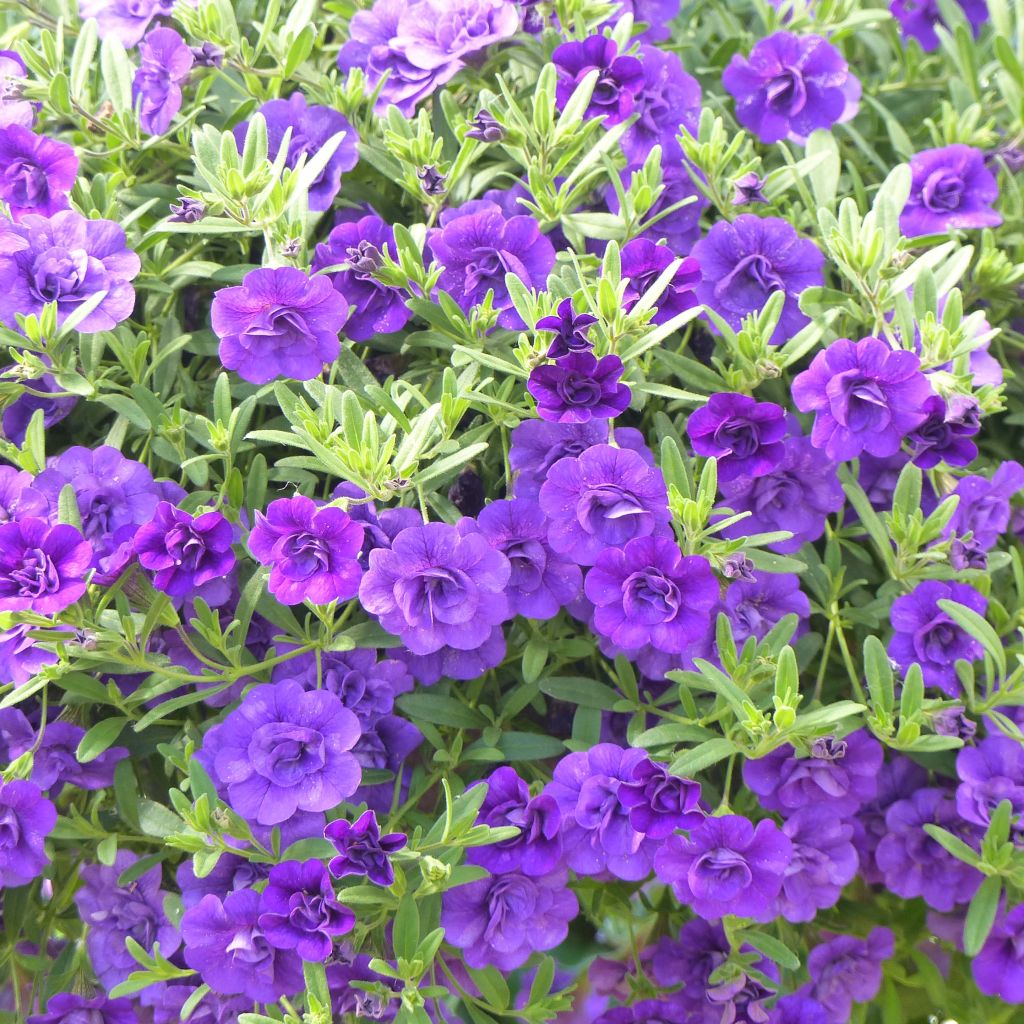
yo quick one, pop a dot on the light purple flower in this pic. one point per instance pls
(36, 172)
(26, 819)
(744, 435)
(918, 18)
(999, 968)
(13, 109)
(951, 188)
(669, 100)
(847, 970)
(659, 802)
(989, 773)
(643, 262)
(166, 63)
(824, 861)
(124, 20)
(42, 567)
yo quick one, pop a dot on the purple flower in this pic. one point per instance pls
(485, 128)
(984, 506)
(918, 18)
(13, 109)
(754, 607)
(643, 262)
(125, 20)
(357, 247)
(945, 434)
(312, 551)
(748, 189)
(865, 396)
(450, 662)
(183, 551)
(115, 912)
(166, 63)
(438, 585)
(655, 14)
(925, 635)
(66, 259)
(278, 323)
(648, 593)
(66, 1008)
(26, 819)
(362, 850)
(538, 847)
(42, 567)
(913, 864)
(21, 658)
(797, 496)
(38, 172)
(744, 435)
(951, 188)
(999, 968)
(840, 773)
(284, 749)
(226, 945)
(604, 498)
(798, 1009)
(660, 803)
(213, 1008)
(578, 388)
(791, 85)
(311, 127)
(743, 262)
(541, 581)
(569, 328)
(298, 910)
(727, 866)
(56, 763)
(620, 77)
(187, 211)
(668, 101)
(678, 226)
(847, 970)
(18, 415)
(538, 444)
(477, 246)
(598, 837)
(989, 773)
(500, 920)
(824, 861)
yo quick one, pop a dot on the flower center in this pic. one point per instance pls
(942, 191)
(787, 93)
(720, 874)
(286, 753)
(37, 575)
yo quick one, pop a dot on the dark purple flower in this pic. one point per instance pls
(918, 18)
(500, 920)
(951, 188)
(678, 226)
(26, 819)
(485, 128)
(569, 329)
(542, 581)
(744, 435)
(755, 606)
(37, 172)
(166, 63)
(945, 434)
(311, 127)
(230, 873)
(865, 396)
(620, 77)
(477, 246)
(913, 864)
(648, 593)
(42, 567)
(18, 415)
(847, 970)
(183, 551)
(660, 803)
(168, 1001)
(208, 55)
(538, 444)
(538, 847)
(312, 551)
(13, 109)
(925, 635)
(357, 247)
(797, 496)
(604, 498)
(450, 662)
(362, 850)
(791, 85)
(643, 262)
(66, 259)
(598, 837)
(798, 1009)
(748, 189)
(951, 721)
(669, 100)
(984, 506)
(114, 912)
(66, 1008)
(298, 910)
(742, 263)
(727, 866)
(187, 211)
(999, 968)
(438, 585)
(824, 861)
(578, 388)
(56, 762)
(432, 181)
(989, 773)
(278, 323)
(225, 944)
(840, 773)
(284, 749)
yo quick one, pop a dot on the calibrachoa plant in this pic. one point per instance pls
(511, 510)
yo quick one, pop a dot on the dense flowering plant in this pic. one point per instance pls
(511, 511)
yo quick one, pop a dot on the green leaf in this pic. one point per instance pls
(704, 755)
(493, 986)
(979, 628)
(530, 746)
(438, 709)
(99, 738)
(981, 914)
(586, 693)
(157, 820)
(774, 949)
(953, 844)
